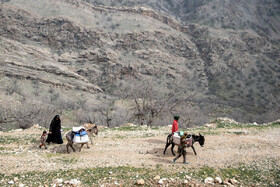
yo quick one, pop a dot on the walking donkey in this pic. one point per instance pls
(90, 129)
(195, 138)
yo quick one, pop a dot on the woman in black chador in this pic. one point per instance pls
(55, 133)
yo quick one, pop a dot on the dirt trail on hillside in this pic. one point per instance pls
(139, 149)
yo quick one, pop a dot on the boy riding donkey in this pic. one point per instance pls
(182, 149)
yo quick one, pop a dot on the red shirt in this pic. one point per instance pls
(175, 127)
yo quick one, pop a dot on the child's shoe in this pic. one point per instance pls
(39, 147)
(174, 160)
(185, 163)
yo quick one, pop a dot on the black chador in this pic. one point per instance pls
(55, 133)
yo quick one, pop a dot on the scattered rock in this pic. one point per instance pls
(11, 182)
(211, 125)
(75, 182)
(233, 181)
(128, 125)
(15, 179)
(188, 177)
(185, 182)
(157, 177)
(18, 130)
(58, 181)
(140, 182)
(36, 126)
(227, 184)
(21, 185)
(209, 180)
(218, 180)
(160, 181)
(227, 120)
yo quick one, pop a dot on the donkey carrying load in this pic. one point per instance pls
(173, 140)
(80, 135)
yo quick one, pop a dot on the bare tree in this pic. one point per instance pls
(27, 114)
(151, 100)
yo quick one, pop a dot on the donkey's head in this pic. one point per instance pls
(93, 129)
(201, 140)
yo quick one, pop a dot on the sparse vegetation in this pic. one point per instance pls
(146, 143)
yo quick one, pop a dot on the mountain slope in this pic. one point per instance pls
(81, 47)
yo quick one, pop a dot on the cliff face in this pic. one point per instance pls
(82, 47)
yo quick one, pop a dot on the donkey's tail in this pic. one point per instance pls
(169, 139)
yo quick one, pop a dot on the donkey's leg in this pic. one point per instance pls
(193, 150)
(71, 145)
(172, 147)
(166, 146)
(91, 140)
(87, 145)
(67, 148)
(81, 147)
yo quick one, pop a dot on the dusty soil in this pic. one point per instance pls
(139, 148)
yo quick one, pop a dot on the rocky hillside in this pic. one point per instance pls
(258, 15)
(226, 53)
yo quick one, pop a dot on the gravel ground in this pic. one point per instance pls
(139, 148)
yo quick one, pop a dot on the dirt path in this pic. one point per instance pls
(138, 149)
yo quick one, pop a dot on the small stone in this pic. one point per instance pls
(157, 177)
(185, 182)
(233, 181)
(140, 182)
(15, 179)
(58, 181)
(74, 182)
(188, 177)
(209, 180)
(66, 182)
(227, 184)
(11, 182)
(21, 185)
(18, 130)
(218, 180)
(160, 181)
